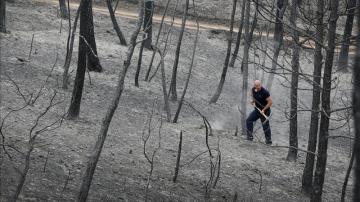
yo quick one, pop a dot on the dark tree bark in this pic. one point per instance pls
(278, 38)
(173, 93)
(95, 154)
(307, 177)
(137, 73)
(344, 52)
(325, 102)
(157, 41)
(347, 175)
(74, 108)
(238, 38)
(63, 10)
(149, 10)
(115, 24)
(93, 63)
(218, 91)
(356, 111)
(2, 16)
(293, 139)
(178, 159)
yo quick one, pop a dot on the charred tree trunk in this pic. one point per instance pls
(93, 63)
(95, 154)
(149, 10)
(238, 38)
(278, 38)
(325, 103)
(173, 93)
(293, 139)
(344, 52)
(188, 76)
(307, 177)
(2, 16)
(74, 108)
(157, 41)
(356, 111)
(63, 11)
(115, 24)
(137, 73)
(218, 91)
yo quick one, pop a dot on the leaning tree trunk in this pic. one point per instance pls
(115, 24)
(320, 169)
(189, 74)
(238, 38)
(293, 139)
(344, 52)
(74, 108)
(307, 177)
(2, 16)
(137, 73)
(216, 96)
(63, 11)
(278, 39)
(173, 93)
(149, 10)
(93, 63)
(95, 154)
(356, 111)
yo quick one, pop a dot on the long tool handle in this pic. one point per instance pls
(266, 117)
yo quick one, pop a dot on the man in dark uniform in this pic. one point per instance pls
(262, 102)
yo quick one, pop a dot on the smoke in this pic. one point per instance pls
(226, 120)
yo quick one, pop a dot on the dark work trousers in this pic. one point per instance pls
(254, 116)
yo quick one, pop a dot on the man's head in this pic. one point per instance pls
(257, 85)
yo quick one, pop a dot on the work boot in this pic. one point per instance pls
(268, 142)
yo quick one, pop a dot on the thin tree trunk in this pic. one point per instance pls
(307, 177)
(173, 93)
(2, 16)
(320, 169)
(344, 52)
(157, 41)
(278, 39)
(163, 82)
(178, 158)
(24, 173)
(63, 11)
(69, 50)
(149, 10)
(95, 154)
(74, 108)
(218, 91)
(245, 63)
(293, 139)
(238, 38)
(356, 111)
(93, 63)
(137, 73)
(115, 24)
(188, 76)
(348, 171)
